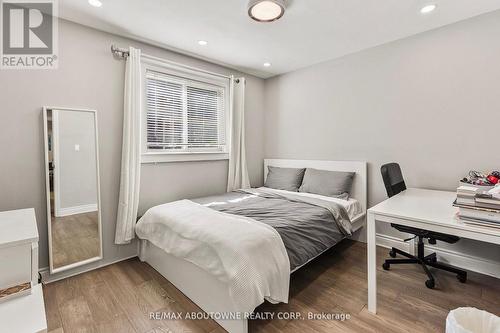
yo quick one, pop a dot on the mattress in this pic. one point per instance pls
(306, 229)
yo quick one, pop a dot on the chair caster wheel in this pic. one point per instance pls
(430, 284)
(462, 278)
(392, 254)
(386, 266)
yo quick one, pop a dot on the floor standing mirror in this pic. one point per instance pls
(73, 191)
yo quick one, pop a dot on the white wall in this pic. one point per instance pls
(89, 77)
(76, 169)
(430, 102)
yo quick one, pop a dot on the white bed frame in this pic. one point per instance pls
(209, 293)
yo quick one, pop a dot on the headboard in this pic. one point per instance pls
(360, 181)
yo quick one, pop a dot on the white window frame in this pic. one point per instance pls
(184, 72)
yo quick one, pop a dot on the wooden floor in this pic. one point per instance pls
(119, 298)
(74, 238)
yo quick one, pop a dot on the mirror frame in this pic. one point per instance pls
(47, 190)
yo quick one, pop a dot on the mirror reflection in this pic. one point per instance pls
(74, 221)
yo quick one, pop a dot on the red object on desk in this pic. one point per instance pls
(493, 179)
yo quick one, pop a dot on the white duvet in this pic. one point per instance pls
(252, 260)
(352, 206)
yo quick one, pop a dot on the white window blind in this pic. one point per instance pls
(184, 115)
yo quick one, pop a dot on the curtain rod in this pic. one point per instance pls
(122, 53)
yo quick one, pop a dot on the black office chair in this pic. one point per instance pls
(394, 183)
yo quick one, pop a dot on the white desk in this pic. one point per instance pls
(425, 209)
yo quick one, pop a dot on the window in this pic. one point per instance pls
(186, 116)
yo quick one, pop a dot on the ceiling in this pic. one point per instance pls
(311, 31)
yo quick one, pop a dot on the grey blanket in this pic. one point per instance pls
(307, 226)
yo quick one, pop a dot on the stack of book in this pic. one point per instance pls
(478, 205)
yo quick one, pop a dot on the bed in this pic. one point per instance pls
(300, 222)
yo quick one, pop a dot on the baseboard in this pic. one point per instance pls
(47, 278)
(391, 241)
(454, 258)
(471, 263)
(462, 260)
(76, 210)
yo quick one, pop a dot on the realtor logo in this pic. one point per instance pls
(29, 34)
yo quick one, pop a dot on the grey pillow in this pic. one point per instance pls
(284, 178)
(329, 183)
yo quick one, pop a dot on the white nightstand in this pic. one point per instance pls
(21, 298)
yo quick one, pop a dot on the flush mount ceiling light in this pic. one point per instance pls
(266, 10)
(428, 8)
(267, 64)
(202, 42)
(95, 3)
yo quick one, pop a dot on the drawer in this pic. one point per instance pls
(15, 266)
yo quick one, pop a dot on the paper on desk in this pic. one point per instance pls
(495, 191)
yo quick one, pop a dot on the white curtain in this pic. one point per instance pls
(130, 169)
(238, 172)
